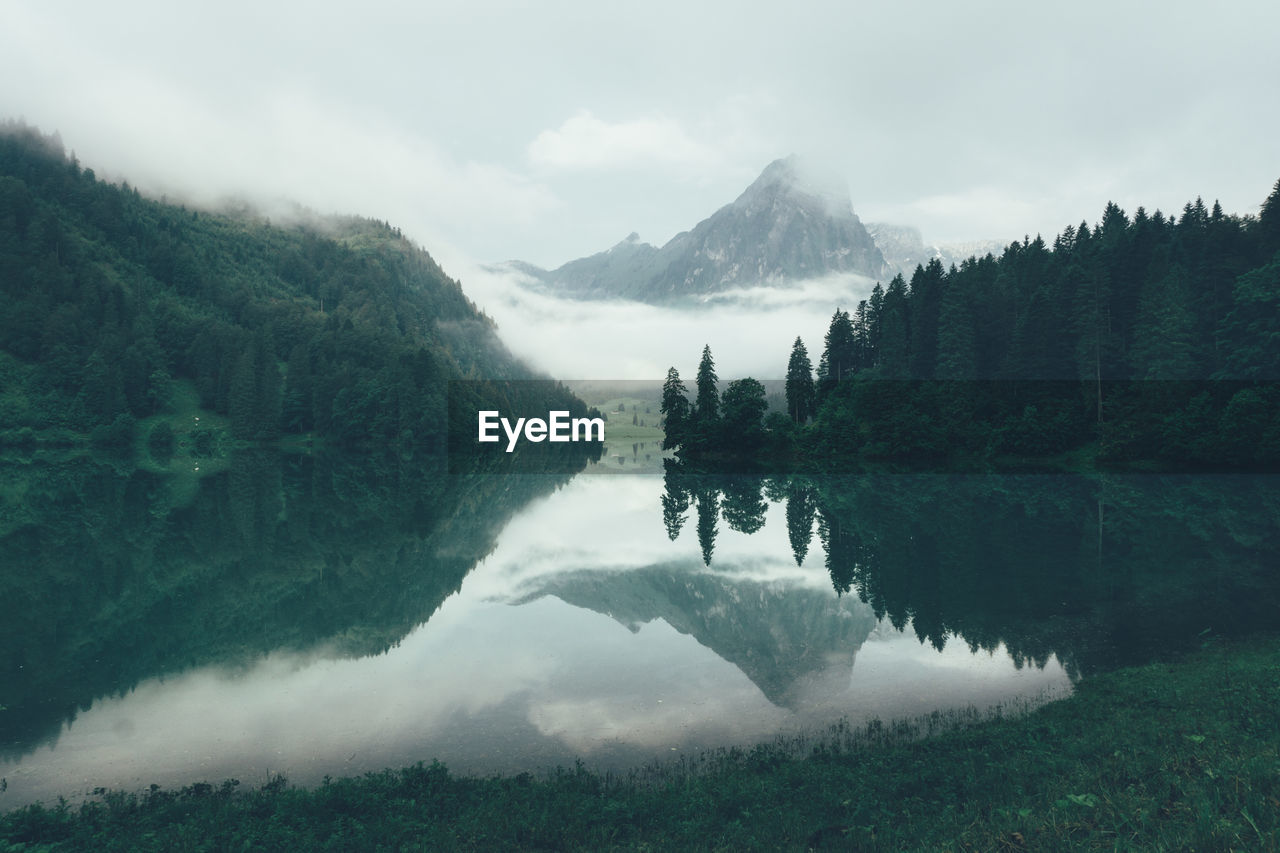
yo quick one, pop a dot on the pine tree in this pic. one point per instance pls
(800, 389)
(840, 347)
(957, 356)
(839, 353)
(675, 411)
(875, 306)
(1268, 227)
(706, 411)
(926, 305)
(895, 331)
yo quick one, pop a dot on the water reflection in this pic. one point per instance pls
(111, 575)
(1096, 571)
(328, 616)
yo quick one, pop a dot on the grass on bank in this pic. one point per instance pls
(1169, 756)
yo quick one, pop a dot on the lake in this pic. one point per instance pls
(323, 615)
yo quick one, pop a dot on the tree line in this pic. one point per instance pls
(1149, 336)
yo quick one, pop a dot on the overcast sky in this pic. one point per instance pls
(546, 131)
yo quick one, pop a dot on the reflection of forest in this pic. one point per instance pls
(110, 575)
(1099, 571)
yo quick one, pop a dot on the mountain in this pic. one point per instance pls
(904, 248)
(119, 309)
(788, 225)
(790, 642)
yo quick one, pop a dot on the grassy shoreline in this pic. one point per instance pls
(1177, 756)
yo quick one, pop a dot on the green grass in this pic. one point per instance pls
(618, 425)
(1170, 756)
(629, 432)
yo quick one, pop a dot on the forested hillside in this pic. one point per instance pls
(112, 301)
(1151, 337)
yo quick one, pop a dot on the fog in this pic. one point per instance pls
(547, 132)
(750, 331)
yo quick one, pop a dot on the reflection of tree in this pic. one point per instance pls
(675, 503)
(1095, 571)
(800, 512)
(743, 507)
(110, 575)
(708, 513)
(841, 548)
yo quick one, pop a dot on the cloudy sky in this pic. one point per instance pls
(548, 131)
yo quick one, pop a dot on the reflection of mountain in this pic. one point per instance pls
(109, 577)
(789, 641)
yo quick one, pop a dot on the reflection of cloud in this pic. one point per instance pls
(607, 524)
(467, 686)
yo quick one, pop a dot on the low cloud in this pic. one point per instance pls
(585, 142)
(750, 330)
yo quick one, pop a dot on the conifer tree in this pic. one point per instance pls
(675, 411)
(895, 330)
(706, 411)
(800, 390)
(926, 305)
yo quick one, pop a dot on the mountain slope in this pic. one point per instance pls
(340, 327)
(785, 226)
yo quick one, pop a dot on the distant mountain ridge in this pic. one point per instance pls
(904, 248)
(787, 225)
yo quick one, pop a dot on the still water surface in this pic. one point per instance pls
(317, 617)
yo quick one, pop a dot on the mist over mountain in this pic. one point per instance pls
(790, 224)
(904, 248)
(120, 309)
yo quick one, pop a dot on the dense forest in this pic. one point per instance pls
(1150, 337)
(341, 328)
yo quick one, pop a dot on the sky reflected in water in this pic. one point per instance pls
(586, 632)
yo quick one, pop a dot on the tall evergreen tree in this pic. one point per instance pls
(1269, 225)
(706, 413)
(957, 357)
(675, 411)
(840, 346)
(895, 331)
(926, 306)
(800, 390)
(875, 306)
